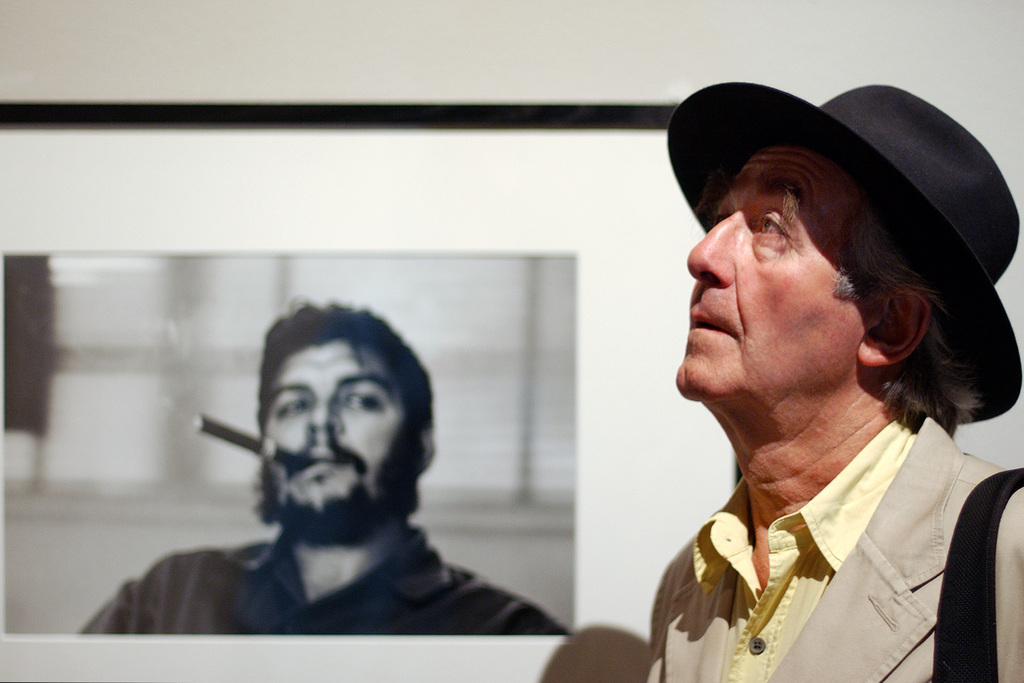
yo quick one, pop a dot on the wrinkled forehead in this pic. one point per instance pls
(826, 197)
(807, 174)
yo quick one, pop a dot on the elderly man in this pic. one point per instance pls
(350, 406)
(842, 324)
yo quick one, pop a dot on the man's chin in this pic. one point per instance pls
(688, 384)
(340, 522)
(703, 381)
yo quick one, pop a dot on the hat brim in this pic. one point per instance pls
(722, 126)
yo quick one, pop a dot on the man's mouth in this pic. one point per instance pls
(295, 463)
(325, 471)
(339, 455)
(321, 471)
(701, 318)
(322, 481)
(698, 322)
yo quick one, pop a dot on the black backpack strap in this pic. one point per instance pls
(965, 633)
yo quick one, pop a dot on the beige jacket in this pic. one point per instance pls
(876, 620)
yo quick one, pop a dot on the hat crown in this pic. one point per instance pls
(946, 164)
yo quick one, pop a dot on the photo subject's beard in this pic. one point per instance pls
(348, 521)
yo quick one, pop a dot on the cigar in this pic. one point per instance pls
(262, 447)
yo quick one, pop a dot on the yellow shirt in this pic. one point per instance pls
(806, 548)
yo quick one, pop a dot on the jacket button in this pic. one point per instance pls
(757, 646)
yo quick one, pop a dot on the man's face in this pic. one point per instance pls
(340, 410)
(767, 331)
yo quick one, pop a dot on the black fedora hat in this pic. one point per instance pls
(938, 190)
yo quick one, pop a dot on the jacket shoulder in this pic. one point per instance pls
(473, 606)
(173, 586)
(678, 574)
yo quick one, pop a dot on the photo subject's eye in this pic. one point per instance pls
(291, 407)
(367, 402)
(363, 396)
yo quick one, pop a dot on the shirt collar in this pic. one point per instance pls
(723, 540)
(835, 518)
(838, 515)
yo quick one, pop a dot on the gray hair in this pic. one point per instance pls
(933, 382)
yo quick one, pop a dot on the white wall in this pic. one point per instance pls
(966, 57)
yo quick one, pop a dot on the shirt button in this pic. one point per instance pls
(757, 646)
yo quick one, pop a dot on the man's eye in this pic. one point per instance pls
(364, 402)
(292, 408)
(770, 225)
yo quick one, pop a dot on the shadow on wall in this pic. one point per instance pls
(599, 654)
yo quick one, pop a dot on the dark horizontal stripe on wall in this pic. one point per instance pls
(464, 116)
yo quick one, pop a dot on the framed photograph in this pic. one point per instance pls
(532, 257)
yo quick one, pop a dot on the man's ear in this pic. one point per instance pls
(427, 442)
(896, 326)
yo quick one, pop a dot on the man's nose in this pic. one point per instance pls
(709, 261)
(323, 429)
(319, 439)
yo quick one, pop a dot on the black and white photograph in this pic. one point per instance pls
(135, 383)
